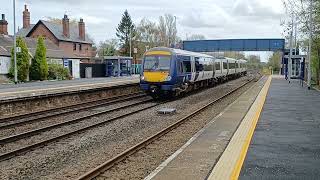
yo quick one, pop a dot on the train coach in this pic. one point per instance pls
(167, 71)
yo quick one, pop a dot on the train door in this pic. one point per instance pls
(212, 63)
(218, 67)
(236, 66)
(197, 69)
(225, 67)
(193, 68)
(185, 68)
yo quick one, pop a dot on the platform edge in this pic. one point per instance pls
(231, 161)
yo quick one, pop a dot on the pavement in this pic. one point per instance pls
(286, 142)
(197, 157)
(11, 91)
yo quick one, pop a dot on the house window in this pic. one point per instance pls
(80, 47)
(74, 46)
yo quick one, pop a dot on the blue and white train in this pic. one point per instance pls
(167, 71)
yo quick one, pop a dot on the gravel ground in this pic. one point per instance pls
(93, 101)
(62, 118)
(73, 156)
(72, 127)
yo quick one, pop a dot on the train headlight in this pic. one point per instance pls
(142, 78)
(168, 78)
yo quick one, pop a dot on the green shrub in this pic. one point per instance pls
(39, 65)
(58, 72)
(22, 61)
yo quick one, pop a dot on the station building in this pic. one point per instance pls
(54, 54)
(66, 43)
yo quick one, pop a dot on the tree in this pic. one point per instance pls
(254, 62)
(196, 37)
(148, 33)
(108, 48)
(23, 60)
(72, 22)
(163, 33)
(300, 9)
(275, 61)
(168, 30)
(125, 32)
(39, 65)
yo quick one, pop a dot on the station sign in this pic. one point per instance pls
(18, 49)
(66, 63)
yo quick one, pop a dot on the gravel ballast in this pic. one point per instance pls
(73, 156)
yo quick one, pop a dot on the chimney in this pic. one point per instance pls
(26, 17)
(3, 25)
(82, 32)
(65, 26)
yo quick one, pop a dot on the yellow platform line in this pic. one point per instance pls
(68, 87)
(231, 161)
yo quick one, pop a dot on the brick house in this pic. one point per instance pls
(54, 53)
(71, 38)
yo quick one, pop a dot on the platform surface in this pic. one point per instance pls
(286, 141)
(11, 91)
(197, 157)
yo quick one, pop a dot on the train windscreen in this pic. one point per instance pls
(157, 63)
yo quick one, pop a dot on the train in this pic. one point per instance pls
(172, 72)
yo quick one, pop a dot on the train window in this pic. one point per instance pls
(185, 64)
(157, 63)
(218, 67)
(208, 64)
(198, 64)
(225, 65)
(232, 65)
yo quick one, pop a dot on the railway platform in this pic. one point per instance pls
(286, 142)
(270, 131)
(12, 91)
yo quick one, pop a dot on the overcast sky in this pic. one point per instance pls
(216, 19)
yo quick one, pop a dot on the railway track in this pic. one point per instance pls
(15, 152)
(95, 172)
(9, 122)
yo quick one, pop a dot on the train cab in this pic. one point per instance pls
(158, 71)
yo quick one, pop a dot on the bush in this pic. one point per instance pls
(39, 66)
(58, 72)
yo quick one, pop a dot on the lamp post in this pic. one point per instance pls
(15, 43)
(310, 43)
(130, 43)
(290, 53)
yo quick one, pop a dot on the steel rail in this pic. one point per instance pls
(16, 152)
(71, 109)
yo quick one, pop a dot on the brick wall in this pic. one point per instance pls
(86, 49)
(41, 30)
